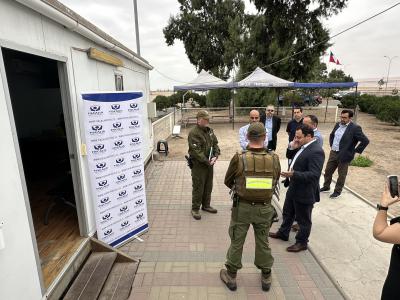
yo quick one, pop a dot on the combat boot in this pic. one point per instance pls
(229, 279)
(196, 214)
(266, 280)
(209, 209)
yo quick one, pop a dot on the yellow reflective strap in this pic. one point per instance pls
(258, 183)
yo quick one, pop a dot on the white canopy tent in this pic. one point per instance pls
(203, 82)
(260, 78)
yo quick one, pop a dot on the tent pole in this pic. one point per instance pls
(354, 102)
(326, 108)
(277, 109)
(233, 110)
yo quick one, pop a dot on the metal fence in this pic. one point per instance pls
(162, 128)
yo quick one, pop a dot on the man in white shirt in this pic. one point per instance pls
(312, 121)
(254, 117)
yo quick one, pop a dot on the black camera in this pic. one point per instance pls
(393, 185)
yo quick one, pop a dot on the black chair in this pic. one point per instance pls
(164, 148)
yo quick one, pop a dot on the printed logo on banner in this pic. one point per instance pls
(95, 110)
(125, 224)
(139, 203)
(117, 127)
(96, 130)
(100, 167)
(106, 218)
(104, 202)
(139, 217)
(137, 187)
(108, 233)
(134, 124)
(135, 141)
(115, 109)
(123, 210)
(121, 179)
(137, 172)
(136, 157)
(117, 145)
(119, 162)
(122, 195)
(133, 107)
(101, 185)
(99, 149)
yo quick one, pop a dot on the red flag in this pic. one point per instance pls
(332, 58)
(338, 62)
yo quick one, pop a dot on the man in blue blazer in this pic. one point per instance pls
(304, 173)
(346, 139)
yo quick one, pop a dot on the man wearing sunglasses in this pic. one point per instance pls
(272, 124)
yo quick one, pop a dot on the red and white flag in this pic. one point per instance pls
(333, 59)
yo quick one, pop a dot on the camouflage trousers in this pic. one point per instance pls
(260, 216)
(202, 184)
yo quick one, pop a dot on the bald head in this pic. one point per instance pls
(254, 116)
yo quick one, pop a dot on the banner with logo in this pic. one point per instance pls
(114, 142)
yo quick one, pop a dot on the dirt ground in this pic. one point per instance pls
(383, 150)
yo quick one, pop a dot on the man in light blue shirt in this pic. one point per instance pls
(312, 121)
(254, 117)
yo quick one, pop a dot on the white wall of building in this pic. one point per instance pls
(25, 30)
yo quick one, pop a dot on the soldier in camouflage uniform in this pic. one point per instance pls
(204, 151)
(252, 175)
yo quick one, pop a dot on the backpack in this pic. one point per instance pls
(258, 176)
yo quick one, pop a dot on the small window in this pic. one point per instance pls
(119, 82)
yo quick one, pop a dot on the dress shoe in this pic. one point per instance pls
(297, 247)
(277, 235)
(210, 209)
(196, 214)
(334, 195)
(295, 227)
(266, 280)
(324, 190)
(229, 279)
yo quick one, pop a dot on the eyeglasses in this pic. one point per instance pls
(270, 110)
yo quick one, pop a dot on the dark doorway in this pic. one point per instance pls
(34, 86)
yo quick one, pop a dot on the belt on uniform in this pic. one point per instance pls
(254, 203)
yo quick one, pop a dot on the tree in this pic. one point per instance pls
(209, 31)
(218, 98)
(338, 76)
(162, 102)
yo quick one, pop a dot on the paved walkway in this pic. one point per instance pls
(181, 257)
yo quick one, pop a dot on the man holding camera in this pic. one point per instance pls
(346, 139)
(203, 151)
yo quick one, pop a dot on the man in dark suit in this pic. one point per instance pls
(346, 139)
(272, 124)
(304, 173)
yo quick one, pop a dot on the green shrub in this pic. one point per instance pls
(361, 161)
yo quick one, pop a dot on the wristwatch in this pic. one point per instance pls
(380, 207)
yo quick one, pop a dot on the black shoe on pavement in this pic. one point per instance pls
(334, 195)
(277, 235)
(324, 190)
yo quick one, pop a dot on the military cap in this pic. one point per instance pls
(203, 114)
(256, 129)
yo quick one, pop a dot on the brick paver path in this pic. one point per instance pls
(181, 257)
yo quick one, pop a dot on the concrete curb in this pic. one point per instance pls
(327, 272)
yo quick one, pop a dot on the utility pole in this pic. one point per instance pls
(390, 62)
(136, 27)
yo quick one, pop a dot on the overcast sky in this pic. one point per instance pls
(361, 50)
